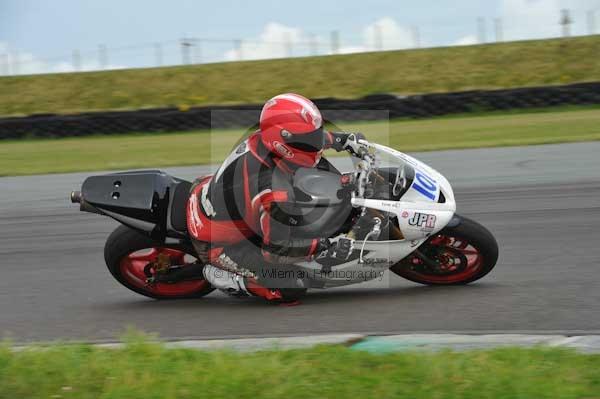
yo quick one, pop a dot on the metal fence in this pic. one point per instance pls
(279, 41)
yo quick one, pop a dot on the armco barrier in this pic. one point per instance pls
(419, 106)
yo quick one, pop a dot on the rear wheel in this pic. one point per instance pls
(132, 258)
(456, 255)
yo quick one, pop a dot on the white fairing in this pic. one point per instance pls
(420, 214)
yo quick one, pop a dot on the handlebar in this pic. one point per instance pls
(359, 147)
(369, 160)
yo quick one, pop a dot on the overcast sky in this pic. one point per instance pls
(42, 34)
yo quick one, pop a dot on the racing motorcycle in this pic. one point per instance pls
(396, 213)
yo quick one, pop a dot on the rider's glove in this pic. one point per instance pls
(346, 141)
(352, 144)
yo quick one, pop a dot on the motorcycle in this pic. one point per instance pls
(396, 212)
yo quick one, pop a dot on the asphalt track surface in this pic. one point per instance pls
(542, 203)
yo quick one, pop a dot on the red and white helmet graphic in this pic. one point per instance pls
(292, 128)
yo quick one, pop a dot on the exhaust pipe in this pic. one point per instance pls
(76, 197)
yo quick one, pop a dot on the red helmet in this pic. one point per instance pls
(292, 128)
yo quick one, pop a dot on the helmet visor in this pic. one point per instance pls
(309, 142)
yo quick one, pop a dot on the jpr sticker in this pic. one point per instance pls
(424, 220)
(425, 185)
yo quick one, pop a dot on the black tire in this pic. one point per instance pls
(292, 294)
(472, 232)
(124, 241)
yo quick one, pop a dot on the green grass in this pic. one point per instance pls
(149, 370)
(23, 157)
(504, 65)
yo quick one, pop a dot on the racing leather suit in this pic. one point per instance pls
(243, 190)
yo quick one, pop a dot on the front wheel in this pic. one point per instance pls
(131, 257)
(456, 255)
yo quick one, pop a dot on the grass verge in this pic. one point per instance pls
(149, 370)
(491, 66)
(25, 157)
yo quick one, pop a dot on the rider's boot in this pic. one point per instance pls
(238, 285)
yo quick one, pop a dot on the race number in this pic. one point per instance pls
(425, 185)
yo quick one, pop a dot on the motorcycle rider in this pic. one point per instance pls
(242, 196)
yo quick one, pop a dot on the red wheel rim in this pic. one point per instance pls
(449, 247)
(132, 270)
